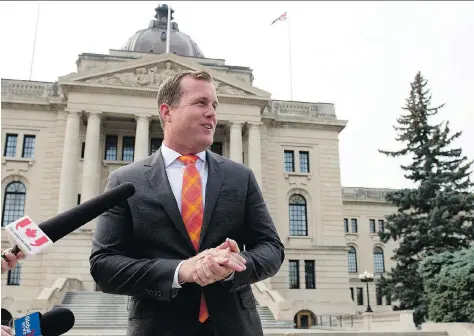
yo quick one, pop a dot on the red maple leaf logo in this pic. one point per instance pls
(31, 233)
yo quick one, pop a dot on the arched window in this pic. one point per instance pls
(379, 263)
(298, 217)
(14, 276)
(352, 260)
(14, 202)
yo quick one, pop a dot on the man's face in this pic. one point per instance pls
(192, 123)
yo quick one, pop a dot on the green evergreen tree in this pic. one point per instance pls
(437, 214)
(448, 280)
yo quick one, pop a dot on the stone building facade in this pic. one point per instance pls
(61, 140)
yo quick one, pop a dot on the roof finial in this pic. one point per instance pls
(162, 13)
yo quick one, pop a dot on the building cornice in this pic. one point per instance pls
(152, 93)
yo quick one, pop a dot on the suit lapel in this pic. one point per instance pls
(158, 180)
(216, 175)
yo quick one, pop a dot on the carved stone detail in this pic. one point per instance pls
(151, 76)
(227, 89)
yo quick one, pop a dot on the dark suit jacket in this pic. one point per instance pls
(137, 246)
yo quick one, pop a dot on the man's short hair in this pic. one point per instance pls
(169, 91)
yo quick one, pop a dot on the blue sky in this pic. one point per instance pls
(361, 56)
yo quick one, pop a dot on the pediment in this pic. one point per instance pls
(149, 73)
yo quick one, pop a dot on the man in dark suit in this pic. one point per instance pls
(196, 234)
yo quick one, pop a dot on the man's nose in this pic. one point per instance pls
(210, 112)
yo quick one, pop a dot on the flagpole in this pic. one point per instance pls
(168, 30)
(289, 53)
(34, 41)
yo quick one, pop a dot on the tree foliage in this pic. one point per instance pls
(434, 216)
(448, 280)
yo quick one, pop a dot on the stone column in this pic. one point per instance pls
(142, 137)
(70, 161)
(255, 151)
(91, 166)
(236, 141)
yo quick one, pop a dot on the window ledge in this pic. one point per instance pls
(300, 237)
(109, 162)
(6, 159)
(350, 234)
(307, 175)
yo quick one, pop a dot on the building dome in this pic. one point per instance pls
(153, 39)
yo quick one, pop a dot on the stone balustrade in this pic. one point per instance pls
(300, 110)
(30, 89)
(365, 194)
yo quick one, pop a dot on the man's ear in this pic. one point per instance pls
(165, 112)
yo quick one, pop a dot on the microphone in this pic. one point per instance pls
(53, 323)
(31, 238)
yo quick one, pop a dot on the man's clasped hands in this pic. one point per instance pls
(213, 264)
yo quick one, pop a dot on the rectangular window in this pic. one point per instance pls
(304, 162)
(155, 145)
(14, 276)
(294, 274)
(378, 295)
(10, 145)
(309, 274)
(360, 296)
(83, 149)
(216, 147)
(78, 199)
(28, 146)
(354, 225)
(289, 161)
(128, 149)
(111, 147)
(381, 225)
(346, 225)
(352, 293)
(388, 300)
(372, 225)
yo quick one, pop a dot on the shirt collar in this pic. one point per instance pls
(169, 155)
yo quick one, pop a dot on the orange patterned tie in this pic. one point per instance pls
(192, 210)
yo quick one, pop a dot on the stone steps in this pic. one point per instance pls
(97, 310)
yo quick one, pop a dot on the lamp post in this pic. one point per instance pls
(367, 277)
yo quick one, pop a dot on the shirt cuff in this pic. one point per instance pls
(175, 279)
(230, 277)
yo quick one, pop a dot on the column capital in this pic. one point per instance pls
(236, 123)
(255, 123)
(143, 117)
(90, 113)
(72, 111)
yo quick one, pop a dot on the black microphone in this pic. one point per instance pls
(56, 322)
(63, 224)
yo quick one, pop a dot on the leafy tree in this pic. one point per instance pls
(448, 280)
(435, 215)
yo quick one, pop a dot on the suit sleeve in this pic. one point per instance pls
(111, 261)
(264, 251)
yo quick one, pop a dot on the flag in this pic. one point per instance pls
(280, 18)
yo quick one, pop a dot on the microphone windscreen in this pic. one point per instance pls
(65, 223)
(57, 322)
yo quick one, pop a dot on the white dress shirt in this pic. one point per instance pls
(175, 171)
